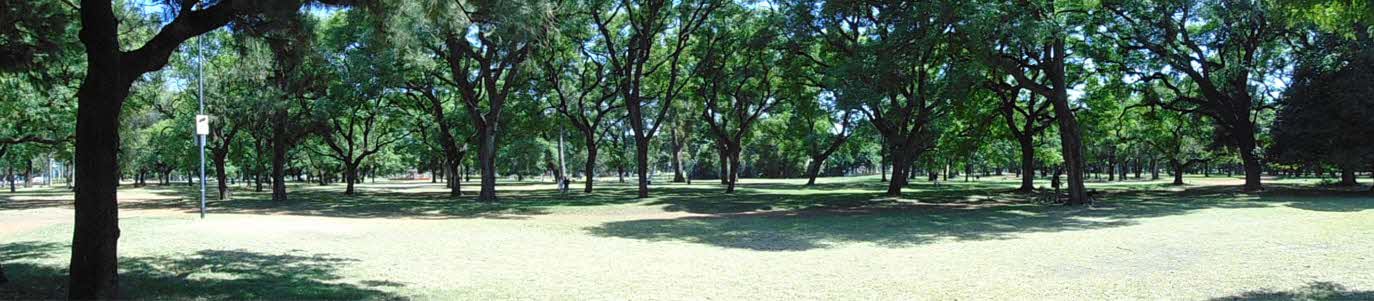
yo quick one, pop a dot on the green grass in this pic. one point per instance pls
(774, 239)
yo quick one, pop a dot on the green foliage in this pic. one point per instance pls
(1327, 112)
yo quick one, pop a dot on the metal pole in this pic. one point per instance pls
(200, 82)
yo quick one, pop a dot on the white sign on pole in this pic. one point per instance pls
(202, 125)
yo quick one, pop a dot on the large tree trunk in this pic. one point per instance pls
(901, 159)
(1245, 140)
(1027, 164)
(486, 157)
(351, 177)
(1348, 176)
(279, 143)
(590, 169)
(679, 174)
(1178, 171)
(94, 262)
(1069, 134)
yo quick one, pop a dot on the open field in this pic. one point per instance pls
(774, 239)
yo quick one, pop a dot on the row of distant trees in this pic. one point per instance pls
(513, 87)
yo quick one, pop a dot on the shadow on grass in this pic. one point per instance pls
(1312, 291)
(803, 221)
(207, 275)
(409, 200)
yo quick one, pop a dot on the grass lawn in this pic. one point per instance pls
(774, 239)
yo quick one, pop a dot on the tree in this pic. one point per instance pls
(645, 50)
(484, 46)
(361, 115)
(738, 68)
(1026, 117)
(298, 78)
(825, 129)
(110, 72)
(1180, 138)
(1037, 46)
(583, 87)
(1326, 112)
(237, 68)
(1214, 52)
(897, 62)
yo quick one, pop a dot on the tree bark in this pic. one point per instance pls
(1253, 168)
(642, 166)
(486, 157)
(724, 162)
(1154, 169)
(92, 274)
(1027, 164)
(351, 177)
(28, 173)
(882, 163)
(590, 169)
(679, 174)
(734, 151)
(1069, 133)
(279, 145)
(1178, 171)
(813, 169)
(1111, 165)
(1348, 176)
(901, 158)
(221, 177)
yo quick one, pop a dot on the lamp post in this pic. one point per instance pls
(202, 121)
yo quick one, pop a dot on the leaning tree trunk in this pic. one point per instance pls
(1069, 133)
(486, 157)
(813, 170)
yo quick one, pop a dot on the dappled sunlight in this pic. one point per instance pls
(390, 240)
(204, 275)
